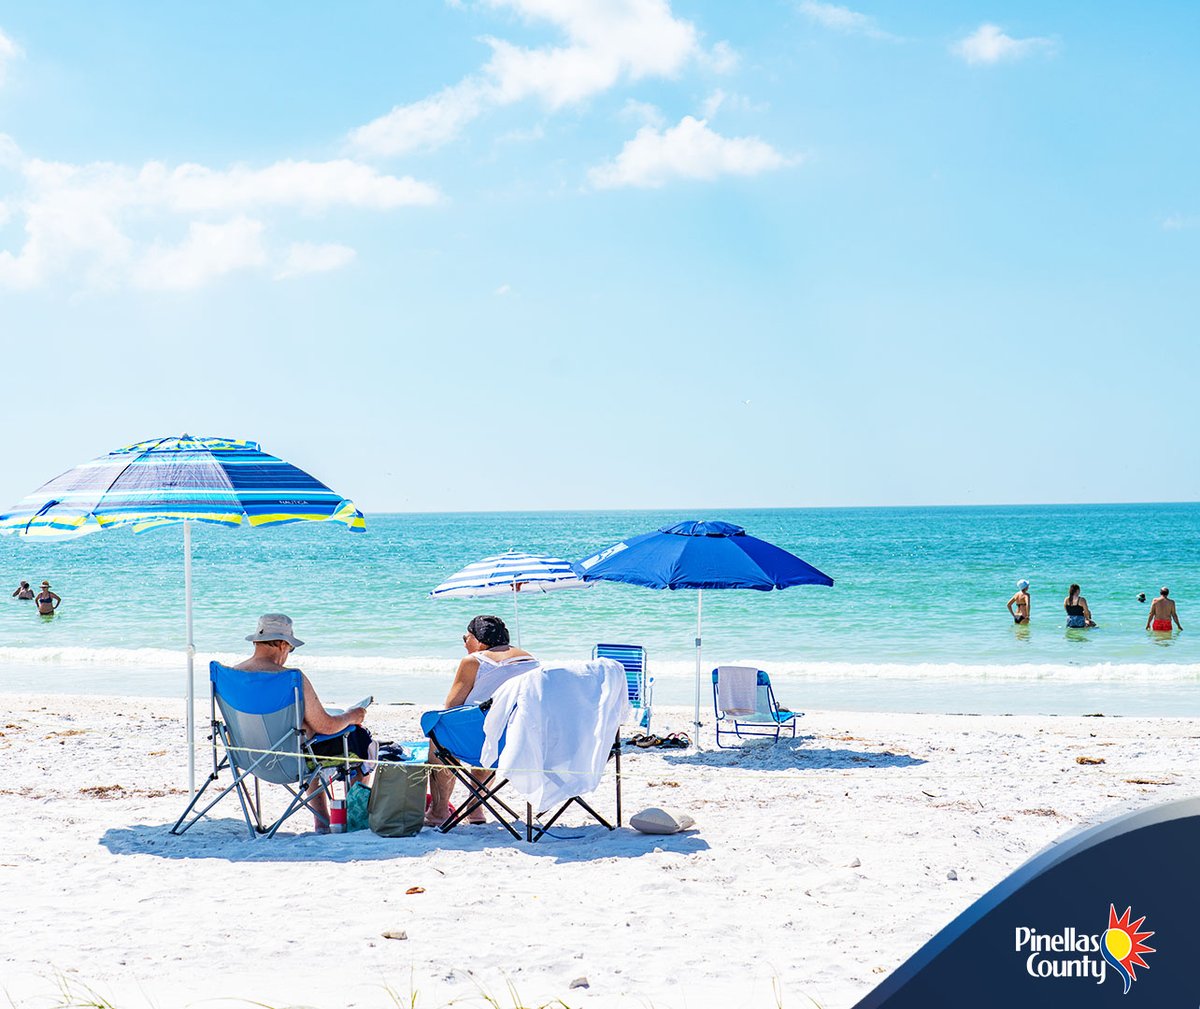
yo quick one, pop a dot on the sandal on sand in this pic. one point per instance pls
(647, 741)
(677, 741)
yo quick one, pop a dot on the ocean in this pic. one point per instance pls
(916, 619)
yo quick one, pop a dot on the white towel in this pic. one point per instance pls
(737, 689)
(560, 723)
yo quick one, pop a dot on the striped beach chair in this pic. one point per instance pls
(641, 683)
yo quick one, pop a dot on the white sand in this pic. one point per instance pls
(815, 867)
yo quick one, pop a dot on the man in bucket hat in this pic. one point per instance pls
(274, 641)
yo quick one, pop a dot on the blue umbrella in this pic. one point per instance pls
(163, 481)
(700, 555)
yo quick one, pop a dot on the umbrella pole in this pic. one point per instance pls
(696, 722)
(516, 613)
(190, 714)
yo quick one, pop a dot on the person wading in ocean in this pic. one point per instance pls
(1020, 600)
(1162, 612)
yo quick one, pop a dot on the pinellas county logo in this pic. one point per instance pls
(1074, 954)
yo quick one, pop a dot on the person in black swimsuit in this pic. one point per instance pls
(1078, 614)
(47, 601)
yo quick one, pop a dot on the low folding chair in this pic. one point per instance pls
(641, 683)
(456, 743)
(258, 725)
(742, 695)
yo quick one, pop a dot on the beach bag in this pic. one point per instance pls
(357, 800)
(397, 804)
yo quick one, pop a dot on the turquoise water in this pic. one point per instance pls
(916, 616)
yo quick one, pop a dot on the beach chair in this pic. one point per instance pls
(457, 741)
(743, 698)
(641, 684)
(258, 736)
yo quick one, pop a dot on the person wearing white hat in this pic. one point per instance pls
(275, 640)
(1020, 601)
(47, 601)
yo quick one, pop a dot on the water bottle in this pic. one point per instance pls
(337, 816)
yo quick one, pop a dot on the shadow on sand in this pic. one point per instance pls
(792, 755)
(227, 839)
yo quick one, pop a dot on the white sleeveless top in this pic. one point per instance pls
(492, 673)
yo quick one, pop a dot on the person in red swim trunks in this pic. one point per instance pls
(1162, 612)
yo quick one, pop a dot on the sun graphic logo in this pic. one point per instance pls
(1122, 945)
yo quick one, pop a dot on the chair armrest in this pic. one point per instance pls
(333, 735)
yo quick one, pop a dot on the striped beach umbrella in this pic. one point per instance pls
(222, 481)
(509, 574)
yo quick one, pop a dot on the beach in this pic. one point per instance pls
(814, 868)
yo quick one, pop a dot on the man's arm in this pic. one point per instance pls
(464, 682)
(319, 721)
(1175, 616)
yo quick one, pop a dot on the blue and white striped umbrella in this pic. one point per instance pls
(510, 573)
(163, 481)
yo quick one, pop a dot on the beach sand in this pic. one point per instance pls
(814, 869)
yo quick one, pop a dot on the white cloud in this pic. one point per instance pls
(642, 113)
(606, 42)
(988, 45)
(310, 257)
(842, 19)
(112, 222)
(209, 251)
(502, 290)
(1180, 222)
(688, 151)
(9, 51)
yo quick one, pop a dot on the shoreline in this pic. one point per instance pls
(781, 847)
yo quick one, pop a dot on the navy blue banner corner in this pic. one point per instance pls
(1108, 916)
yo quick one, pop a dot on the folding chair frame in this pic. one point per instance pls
(754, 727)
(309, 770)
(483, 795)
(644, 702)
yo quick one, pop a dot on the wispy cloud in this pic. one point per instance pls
(9, 51)
(842, 19)
(118, 225)
(1181, 222)
(605, 44)
(689, 150)
(313, 257)
(989, 45)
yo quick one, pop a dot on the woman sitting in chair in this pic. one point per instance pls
(490, 660)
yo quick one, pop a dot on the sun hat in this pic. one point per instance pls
(45, 585)
(1022, 584)
(275, 627)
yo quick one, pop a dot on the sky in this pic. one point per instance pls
(557, 254)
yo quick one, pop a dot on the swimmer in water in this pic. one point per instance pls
(1162, 612)
(1021, 601)
(1078, 614)
(23, 591)
(47, 601)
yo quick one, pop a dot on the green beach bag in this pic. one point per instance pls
(357, 800)
(397, 804)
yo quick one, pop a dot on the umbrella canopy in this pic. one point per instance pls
(507, 574)
(225, 481)
(700, 555)
(218, 480)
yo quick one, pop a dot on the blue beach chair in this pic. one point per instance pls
(742, 695)
(258, 722)
(641, 683)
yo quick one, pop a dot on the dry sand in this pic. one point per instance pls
(816, 866)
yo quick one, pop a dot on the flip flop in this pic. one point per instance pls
(647, 741)
(677, 741)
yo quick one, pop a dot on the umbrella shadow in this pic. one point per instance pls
(227, 839)
(794, 754)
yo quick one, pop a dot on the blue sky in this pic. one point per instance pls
(512, 254)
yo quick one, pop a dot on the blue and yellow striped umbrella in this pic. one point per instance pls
(219, 480)
(164, 481)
